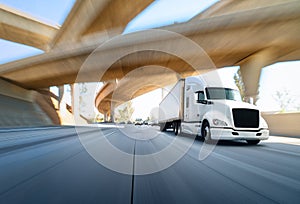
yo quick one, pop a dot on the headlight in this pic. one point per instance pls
(218, 122)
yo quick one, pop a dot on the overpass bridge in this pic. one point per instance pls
(250, 34)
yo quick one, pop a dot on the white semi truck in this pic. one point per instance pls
(208, 107)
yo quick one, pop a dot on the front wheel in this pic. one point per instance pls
(253, 142)
(206, 134)
(177, 128)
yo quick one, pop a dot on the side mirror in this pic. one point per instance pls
(205, 102)
(202, 101)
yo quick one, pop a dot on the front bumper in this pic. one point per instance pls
(232, 134)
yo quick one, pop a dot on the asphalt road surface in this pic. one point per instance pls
(54, 165)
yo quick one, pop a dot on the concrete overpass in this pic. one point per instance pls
(230, 32)
(24, 29)
(87, 18)
(228, 39)
(243, 37)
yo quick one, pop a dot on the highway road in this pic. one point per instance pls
(50, 165)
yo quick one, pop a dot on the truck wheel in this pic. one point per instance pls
(174, 125)
(253, 142)
(206, 132)
(177, 128)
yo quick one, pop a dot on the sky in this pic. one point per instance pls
(281, 76)
(52, 12)
(166, 12)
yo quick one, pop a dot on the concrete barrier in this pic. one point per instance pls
(22, 107)
(285, 124)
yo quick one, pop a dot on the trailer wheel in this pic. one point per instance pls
(206, 135)
(253, 142)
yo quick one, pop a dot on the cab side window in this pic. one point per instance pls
(200, 96)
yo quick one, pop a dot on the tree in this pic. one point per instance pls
(98, 118)
(125, 112)
(284, 99)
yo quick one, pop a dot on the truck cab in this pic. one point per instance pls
(214, 110)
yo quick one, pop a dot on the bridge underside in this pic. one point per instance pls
(228, 40)
(250, 34)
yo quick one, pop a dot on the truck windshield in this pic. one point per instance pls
(223, 93)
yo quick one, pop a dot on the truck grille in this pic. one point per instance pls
(245, 118)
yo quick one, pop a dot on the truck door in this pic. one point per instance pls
(193, 109)
(202, 107)
(187, 101)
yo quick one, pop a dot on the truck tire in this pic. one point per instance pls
(177, 127)
(253, 142)
(206, 132)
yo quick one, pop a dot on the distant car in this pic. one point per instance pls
(138, 121)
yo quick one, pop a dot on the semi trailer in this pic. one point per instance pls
(208, 107)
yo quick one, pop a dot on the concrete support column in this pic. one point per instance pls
(112, 112)
(105, 116)
(61, 90)
(251, 69)
(75, 100)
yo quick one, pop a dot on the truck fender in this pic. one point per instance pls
(211, 115)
